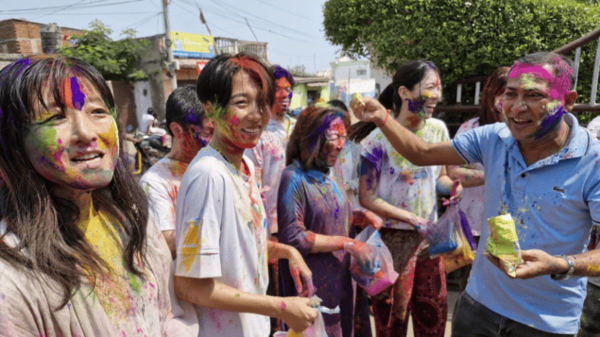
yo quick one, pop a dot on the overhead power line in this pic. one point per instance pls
(43, 10)
(291, 13)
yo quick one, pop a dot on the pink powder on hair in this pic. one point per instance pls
(560, 86)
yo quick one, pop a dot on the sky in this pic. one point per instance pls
(293, 29)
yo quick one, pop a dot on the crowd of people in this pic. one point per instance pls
(248, 226)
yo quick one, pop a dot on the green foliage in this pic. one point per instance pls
(299, 70)
(115, 60)
(464, 38)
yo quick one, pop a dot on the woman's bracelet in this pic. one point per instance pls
(385, 121)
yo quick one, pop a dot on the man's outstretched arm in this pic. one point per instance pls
(409, 145)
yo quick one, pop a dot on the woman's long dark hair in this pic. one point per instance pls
(308, 138)
(494, 86)
(408, 75)
(45, 224)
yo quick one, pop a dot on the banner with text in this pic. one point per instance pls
(192, 45)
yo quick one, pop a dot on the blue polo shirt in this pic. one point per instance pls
(554, 203)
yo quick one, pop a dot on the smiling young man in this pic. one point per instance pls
(222, 246)
(542, 168)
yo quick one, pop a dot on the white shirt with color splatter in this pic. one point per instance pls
(161, 184)
(221, 234)
(268, 157)
(401, 183)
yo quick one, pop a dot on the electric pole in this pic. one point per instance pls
(168, 42)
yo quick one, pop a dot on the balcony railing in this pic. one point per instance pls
(234, 46)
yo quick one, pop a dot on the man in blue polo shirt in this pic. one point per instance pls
(542, 168)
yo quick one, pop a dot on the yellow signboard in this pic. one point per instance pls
(192, 45)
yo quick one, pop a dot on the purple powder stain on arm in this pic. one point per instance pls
(78, 96)
(374, 157)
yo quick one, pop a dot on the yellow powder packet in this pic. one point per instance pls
(357, 96)
(503, 242)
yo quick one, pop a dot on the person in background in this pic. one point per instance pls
(316, 218)
(590, 314)
(147, 121)
(222, 244)
(349, 158)
(542, 169)
(594, 128)
(79, 254)
(471, 176)
(191, 130)
(268, 157)
(404, 195)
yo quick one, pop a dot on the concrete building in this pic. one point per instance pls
(30, 38)
(191, 52)
(351, 76)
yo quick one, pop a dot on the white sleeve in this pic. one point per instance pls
(160, 202)
(199, 217)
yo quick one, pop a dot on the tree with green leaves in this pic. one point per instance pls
(465, 38)
(115, 60)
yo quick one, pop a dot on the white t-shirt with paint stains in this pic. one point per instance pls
(221, 234)
(401, 183)
(161, 184)
(268, 157)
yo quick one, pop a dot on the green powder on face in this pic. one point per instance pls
(46, 139)
(528, 81)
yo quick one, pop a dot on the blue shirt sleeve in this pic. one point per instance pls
(469, 145)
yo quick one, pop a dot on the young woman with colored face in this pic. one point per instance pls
(314, 215)
(222, 246)
(404, 195)
(79, 257)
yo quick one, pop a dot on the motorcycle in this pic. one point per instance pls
(148, 151)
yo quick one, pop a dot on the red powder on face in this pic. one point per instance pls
(235, 121)
(255, 71)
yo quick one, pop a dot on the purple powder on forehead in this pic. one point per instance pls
(325, 125)
(78, 95)
(550, 123)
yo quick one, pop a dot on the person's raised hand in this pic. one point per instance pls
(363, 218)
(368, 110)
(296, 312)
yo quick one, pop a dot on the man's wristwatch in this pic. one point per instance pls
(569, 271)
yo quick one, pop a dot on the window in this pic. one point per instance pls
(361, 72)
